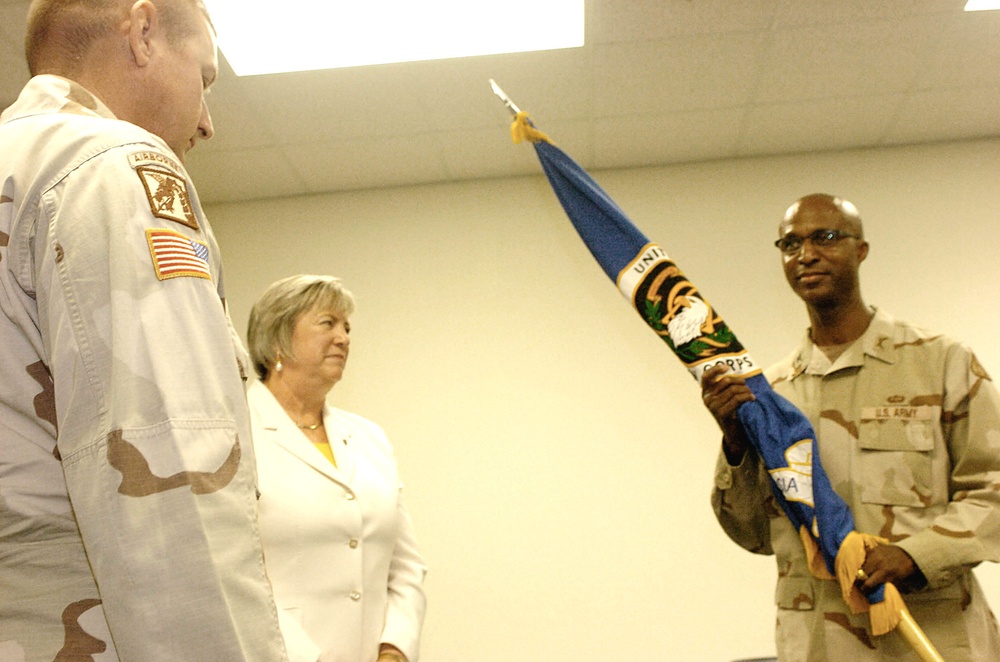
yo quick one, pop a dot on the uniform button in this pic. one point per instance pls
(355, 596)
(353, 543)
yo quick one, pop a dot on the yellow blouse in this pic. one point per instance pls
(327, 450)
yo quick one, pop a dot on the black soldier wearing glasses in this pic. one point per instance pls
(908, 429)
(791, 244)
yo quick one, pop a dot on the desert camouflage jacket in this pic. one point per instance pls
(127, 484)
(908, 425)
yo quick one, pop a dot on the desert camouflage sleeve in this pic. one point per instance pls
(964, 533)
(742, 502)
(153, 430)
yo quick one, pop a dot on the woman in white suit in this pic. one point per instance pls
(338, 544)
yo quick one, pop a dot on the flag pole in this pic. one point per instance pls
(625, 232)
(915, 636)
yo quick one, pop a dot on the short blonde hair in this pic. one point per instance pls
(60, 32)
(274, 315)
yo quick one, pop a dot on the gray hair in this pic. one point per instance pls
(274, 315)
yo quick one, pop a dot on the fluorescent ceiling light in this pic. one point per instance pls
(980, 5)
(264, 36)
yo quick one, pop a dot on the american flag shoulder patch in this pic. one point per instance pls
(175, 255)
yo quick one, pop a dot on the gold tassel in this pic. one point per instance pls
(885, 615)
(817, 566)
(850, 558)
(520, 131)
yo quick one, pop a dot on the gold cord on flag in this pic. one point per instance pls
(814, 558)
(521, 131)
(885, 615)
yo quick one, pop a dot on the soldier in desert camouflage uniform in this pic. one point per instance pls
(908, 426)
(127, 487)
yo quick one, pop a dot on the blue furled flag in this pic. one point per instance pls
(674, 309)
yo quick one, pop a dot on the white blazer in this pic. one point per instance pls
(338, 544)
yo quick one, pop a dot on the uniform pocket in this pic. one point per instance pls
(895, 460)
(795, 593)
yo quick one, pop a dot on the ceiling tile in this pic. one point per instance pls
(685, 73)
(487, 153)
(827, 12)
(878, 57)
(460, 95)
(966, 54)
(318, 106)
(238, 122)
(660, 81)
(647, 140)
(575, 137)
(559, 84)
(641, 20)
(230, 176)
(808, 126)
(369, 163)
(938, 115)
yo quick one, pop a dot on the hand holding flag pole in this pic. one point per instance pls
(782, 436)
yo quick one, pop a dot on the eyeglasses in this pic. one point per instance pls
(791, 244)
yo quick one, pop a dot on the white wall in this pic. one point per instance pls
(557, 457)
